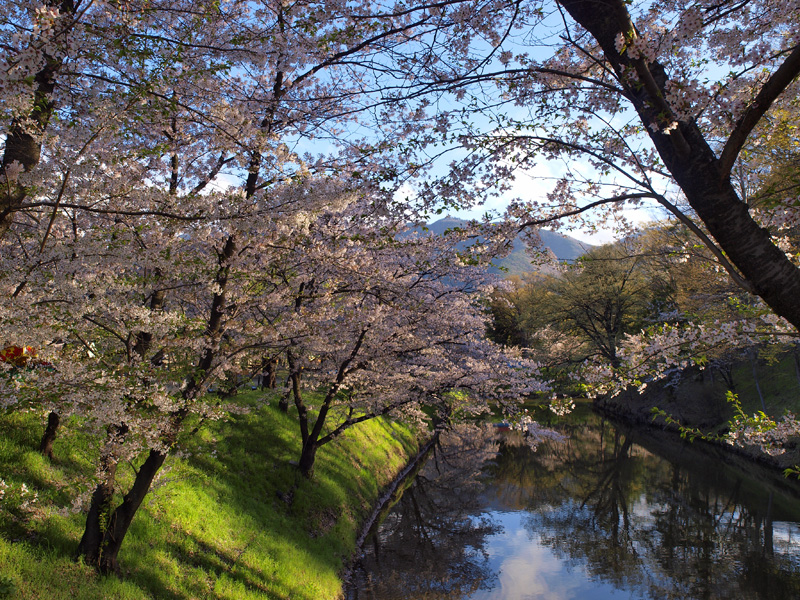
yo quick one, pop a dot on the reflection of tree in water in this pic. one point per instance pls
(645, 524)
(432, 544)
(684, 526)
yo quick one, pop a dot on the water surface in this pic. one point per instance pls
(609, 513)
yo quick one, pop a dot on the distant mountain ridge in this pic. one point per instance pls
(518, 262)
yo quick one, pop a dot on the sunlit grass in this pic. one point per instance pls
(231, 519)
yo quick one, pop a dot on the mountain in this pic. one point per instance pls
(518, 262)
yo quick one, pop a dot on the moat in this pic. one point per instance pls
(608, 513)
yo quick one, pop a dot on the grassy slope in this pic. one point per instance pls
(779, 386)
(230, 520)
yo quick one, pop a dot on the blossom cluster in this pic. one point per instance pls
(20, 497)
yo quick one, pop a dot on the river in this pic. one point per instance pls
(608, 513)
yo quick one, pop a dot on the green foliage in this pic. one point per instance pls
(686, 433)
(792, 472)
(7, 587)
(586, 310)
(759, 421)
(230, 519)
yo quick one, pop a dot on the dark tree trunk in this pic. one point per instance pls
(49, 437)
(269, 375)
(727, 376)
(106, 528)
(23, 140)
(769, 548)
(726, 372)
(293, 383)
(313, 439)
(307, 458)
(283, 403)
(122, 517)
(90, 547)
(703, 178)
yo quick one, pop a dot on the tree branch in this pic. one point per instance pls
(589, 206)
(350, 421)
(709, 243)
(770, 91)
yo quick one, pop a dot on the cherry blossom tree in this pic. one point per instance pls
(168, 207)
(147, 163)
(36, 40)
(699, 131)
(658, 101)
(386, 321)
(155, 243)
(642, 101)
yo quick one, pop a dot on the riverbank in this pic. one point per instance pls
(699, 401)
(391, 494)
(229, 519)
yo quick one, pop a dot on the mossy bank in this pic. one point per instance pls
(230, 518)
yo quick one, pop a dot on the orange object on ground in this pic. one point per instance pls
(18, 355)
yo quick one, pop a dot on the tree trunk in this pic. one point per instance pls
(695, 166)
(725, 370)
(49, 437)
(753, 363)
(122, 517)
(106, 529)
(307, 458)
(269, 376)
(283, 403)
(90, 547)
(23, 144)
(769, 548)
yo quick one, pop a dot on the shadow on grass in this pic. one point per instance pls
(233, 520)
(305, 530)
(218, 566)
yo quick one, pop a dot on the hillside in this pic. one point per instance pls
(518, 262)
(231, 518)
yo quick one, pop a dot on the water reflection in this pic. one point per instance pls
(608, 514)
(433, 542)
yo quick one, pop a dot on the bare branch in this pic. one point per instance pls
(591, 205)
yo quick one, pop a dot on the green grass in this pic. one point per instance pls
(778, 382)
(232, 519)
